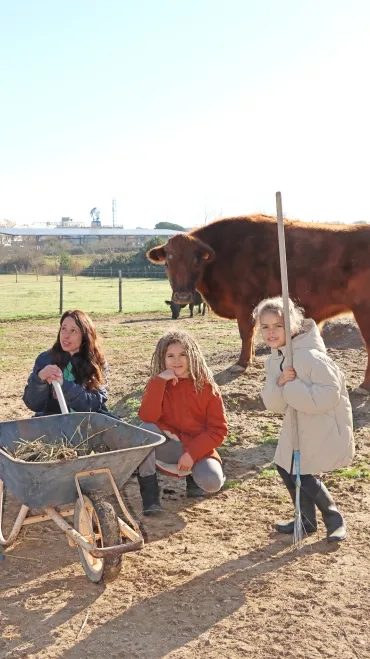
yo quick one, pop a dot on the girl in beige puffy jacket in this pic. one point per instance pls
(316, 389)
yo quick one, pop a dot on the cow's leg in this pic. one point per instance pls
(204, 309)
(246, 331)
(362, 316)
(191, 307)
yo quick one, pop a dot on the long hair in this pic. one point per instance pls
(89, 363)
(275, 305)
(198, 368)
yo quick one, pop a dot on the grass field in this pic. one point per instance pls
(37, 297)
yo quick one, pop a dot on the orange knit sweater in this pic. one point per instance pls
(198, 420)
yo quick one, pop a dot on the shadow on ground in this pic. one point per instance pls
(199, 604)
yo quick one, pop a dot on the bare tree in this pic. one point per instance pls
(5, 224)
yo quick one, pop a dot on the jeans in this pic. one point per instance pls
(207, 472)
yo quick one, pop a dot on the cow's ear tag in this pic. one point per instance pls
(205, 256)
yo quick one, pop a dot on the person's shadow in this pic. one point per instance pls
(66, 598)
(173, 618)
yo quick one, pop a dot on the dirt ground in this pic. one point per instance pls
(214, 580)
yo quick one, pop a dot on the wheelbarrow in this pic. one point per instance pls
(81, 485)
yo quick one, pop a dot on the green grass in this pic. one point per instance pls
(132, 406)
(232, 484)
(271, 431)
(353, 473)
(231, 439)
(37, 298)
(228, 444)
(268, 472)
(270, 427)
(226, 341)
(268, 439)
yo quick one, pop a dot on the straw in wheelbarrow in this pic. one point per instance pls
(39, 451)
(298, 525)
(63, 448)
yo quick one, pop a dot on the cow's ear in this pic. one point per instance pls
(208, 255)
(156, 254)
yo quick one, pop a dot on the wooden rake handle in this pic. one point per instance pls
(285, 294)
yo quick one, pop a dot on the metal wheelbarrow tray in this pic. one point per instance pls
(97, 531)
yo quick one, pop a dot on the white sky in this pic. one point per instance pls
(184, 109)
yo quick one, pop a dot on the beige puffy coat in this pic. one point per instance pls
(320, 397)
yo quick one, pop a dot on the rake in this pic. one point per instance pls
(298, 525)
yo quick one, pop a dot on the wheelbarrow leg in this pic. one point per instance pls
(17, 524)
(76, 537)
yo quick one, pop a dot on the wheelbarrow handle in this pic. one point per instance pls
(60, 397)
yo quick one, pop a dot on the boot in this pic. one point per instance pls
(308, 512)
(149, 490)
(333, 520)
(307, 506)
(192, 489)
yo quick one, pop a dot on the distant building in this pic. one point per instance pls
(132, 238)
(66, 222)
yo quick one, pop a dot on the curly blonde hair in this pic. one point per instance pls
(198, 368)
(275, 305)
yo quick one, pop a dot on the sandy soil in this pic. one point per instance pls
(214, 580)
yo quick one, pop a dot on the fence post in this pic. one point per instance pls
(111, 272)
(94, 271)
(61, 291)
(120, 291)
(16, 274)
(37, 274)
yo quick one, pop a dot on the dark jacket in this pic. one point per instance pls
(38, 394)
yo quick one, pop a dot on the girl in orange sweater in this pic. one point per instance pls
(182, 402)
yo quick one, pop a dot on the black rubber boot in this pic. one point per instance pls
(308, 512)
(333, 520)
(307, 506)
(149, 490)
(192, 489)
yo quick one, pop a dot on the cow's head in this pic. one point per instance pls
(185, 258)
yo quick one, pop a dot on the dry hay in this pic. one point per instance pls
(63, 448)
(39, 451)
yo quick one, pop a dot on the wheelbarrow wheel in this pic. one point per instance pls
(104, 522)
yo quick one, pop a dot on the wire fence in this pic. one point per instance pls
(128, 271)
(25, 295)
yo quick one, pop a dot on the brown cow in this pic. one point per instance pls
(234, 263)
